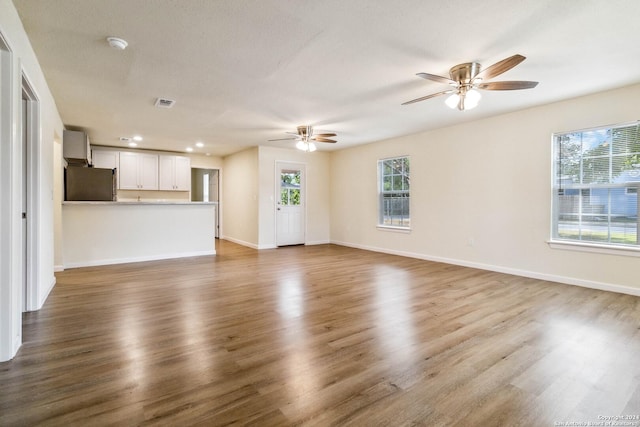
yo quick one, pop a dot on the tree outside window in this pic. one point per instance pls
(290, 188)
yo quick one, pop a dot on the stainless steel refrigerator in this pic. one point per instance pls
(90, 184)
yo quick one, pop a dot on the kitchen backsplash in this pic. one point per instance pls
(153, 196)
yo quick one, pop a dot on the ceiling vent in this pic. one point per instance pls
(164, 103)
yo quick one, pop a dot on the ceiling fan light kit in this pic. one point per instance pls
(466, 78)
(306, 146)
(466, 100)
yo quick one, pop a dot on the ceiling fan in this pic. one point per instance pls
(305, 138)
(467, 77)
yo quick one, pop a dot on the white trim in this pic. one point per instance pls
(507, 270)
(594, 248)
(31, 302)
(58, 268)
(94, 263)
(10, 279)
(240, 242)
(391, 228)
(318, 242)
(44, 295)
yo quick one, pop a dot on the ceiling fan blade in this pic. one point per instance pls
(433, 95)
(436, 78)
(507, 85)
(324, 135)
(283, 139)
(500, 67)
(323, 139)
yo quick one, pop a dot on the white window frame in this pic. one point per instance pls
(381, 193)
(560, 188)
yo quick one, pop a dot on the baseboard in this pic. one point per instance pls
(318, 242)
(240, 242)
(507, 270)
(95, 263)
(270, 246)
(58, 268)
(45, 294)
(17, 343)
(267, 246)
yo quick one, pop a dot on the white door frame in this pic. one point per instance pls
(279, 165)
(10, 207)
(30, 296)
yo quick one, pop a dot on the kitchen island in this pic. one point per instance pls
(100, 233)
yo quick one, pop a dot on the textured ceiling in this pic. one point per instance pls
(243, 72)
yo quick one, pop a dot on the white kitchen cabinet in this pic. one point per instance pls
(107, 159)
(138, 171)
(175, 173)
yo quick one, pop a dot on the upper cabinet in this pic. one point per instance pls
(144, 171)
(138, 171)
(175, 173)
(107, 159)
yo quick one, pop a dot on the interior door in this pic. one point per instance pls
(290, 206)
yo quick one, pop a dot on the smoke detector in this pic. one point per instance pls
(164, 103)
(117, 43)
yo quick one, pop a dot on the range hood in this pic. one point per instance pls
(75, 148)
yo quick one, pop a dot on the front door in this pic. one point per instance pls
(290, 210)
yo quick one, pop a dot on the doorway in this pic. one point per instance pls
(290, 206)
(205, 187)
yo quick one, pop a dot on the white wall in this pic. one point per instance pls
(205, 162)
(58, 197)
(240, 203)
(488, 181)
(24, 61)
(317, 193)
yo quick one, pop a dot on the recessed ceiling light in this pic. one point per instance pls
(199, 144)
(189, 149)
(133, 144)
(137, 138)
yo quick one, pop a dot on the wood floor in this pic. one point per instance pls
(321, 335)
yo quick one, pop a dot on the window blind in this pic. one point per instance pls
(596, 180)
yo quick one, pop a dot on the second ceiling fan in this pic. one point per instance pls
(467, 77)
(306, 137)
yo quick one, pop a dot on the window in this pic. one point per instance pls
(290, 188)
(596, 181)
(394, 197)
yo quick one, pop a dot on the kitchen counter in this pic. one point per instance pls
(100, 233)
(159, 202)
